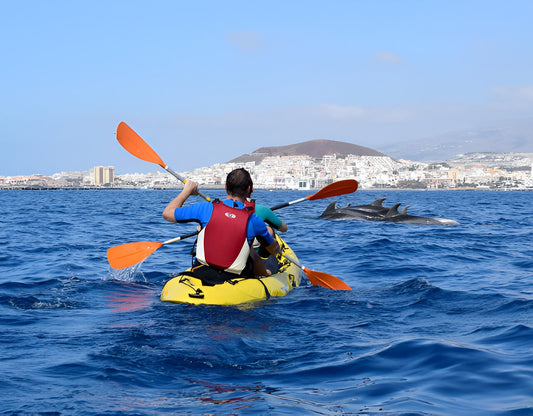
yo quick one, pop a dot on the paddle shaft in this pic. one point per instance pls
(183, 180)
(294, 261)
(286, 204)
(181, 237)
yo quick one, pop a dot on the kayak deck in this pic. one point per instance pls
(188, 289)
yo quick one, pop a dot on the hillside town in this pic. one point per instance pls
(482, 171)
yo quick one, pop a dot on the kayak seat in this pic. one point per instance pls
(210, 276)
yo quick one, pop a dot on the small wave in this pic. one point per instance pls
(33, 303)
(412, 286)
(410, 292)
(517, 337)
(514, 306)
(524, 263)
(55, 224)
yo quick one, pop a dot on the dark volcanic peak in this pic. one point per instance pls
(313, 148)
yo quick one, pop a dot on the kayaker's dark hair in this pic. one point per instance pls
(237, 183)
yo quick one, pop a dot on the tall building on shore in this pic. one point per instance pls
(104, 175)
(109, 174)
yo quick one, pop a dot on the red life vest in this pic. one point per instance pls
(223, 243)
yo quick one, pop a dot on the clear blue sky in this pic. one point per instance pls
(205, 81)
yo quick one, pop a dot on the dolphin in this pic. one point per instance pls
(349, 213)
(394, 216)
(377, 212)
(376, 206)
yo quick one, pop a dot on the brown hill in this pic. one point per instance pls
(313, 148)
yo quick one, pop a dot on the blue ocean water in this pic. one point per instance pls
(439, 322)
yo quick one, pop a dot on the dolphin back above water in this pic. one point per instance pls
(377, 212)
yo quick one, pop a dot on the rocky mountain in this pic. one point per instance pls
(313, 148)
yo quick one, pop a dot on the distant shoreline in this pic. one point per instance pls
(218, 188)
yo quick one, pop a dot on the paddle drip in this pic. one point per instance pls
(129, 274)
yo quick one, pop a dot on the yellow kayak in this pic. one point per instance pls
(188, 289)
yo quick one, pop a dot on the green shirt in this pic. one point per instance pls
(268, 216)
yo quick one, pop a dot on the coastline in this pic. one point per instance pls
(220, 187)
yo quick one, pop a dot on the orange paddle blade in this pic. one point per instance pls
(343, 187)
(129, 254)
(134, 144)
(325, 280)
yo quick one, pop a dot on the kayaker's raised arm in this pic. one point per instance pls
(190, 188)
(268, 216)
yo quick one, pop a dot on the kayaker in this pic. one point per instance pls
(228, 227)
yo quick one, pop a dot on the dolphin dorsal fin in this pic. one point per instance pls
(378, 202)
(332, 206)
(393, 211)
(404, 210)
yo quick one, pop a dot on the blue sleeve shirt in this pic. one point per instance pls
(201, 213)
